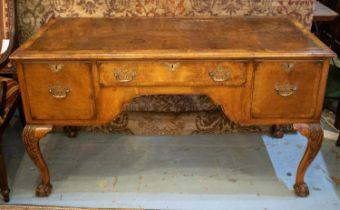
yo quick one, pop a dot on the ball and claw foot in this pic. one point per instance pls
(71, 131)
(43, 190)
(301, 190)
(5, 195)
(277, 131)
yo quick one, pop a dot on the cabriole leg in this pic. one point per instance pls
(314, 135)
(31, 137)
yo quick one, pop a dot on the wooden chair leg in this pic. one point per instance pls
(337, 123)
(338, 142)
(337, 117)
(3, 176)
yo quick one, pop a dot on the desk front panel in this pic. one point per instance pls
(261, 91)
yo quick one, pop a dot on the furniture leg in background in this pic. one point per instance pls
(337, 123)
(3, 176)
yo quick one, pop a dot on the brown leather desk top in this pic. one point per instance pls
(133, 38)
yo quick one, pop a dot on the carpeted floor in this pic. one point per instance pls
(233, 171)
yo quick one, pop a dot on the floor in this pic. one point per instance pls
(232, 171)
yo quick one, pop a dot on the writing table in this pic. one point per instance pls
(81, 71)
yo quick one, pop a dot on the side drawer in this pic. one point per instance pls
(59, 91)
(286, 89)
(173, 73)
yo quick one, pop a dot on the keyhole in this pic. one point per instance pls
(288, 67)
(172, 66)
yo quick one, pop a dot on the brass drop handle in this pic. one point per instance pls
(59, 92)
(125, 75)
(56, 67)
(220, 74)
(285, 89)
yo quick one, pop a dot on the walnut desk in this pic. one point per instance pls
(81, 71)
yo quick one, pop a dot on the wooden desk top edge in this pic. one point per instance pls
(23, 54)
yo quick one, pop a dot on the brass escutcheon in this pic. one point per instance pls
(56, 67)
(288, 67)
(172, 66)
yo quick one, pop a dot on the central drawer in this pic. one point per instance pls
(173, 73)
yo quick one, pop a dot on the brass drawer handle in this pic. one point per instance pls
(59, 92)
(124, 75)
(172, 66)
(56, 67)
(220, 74)
(285, 89)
